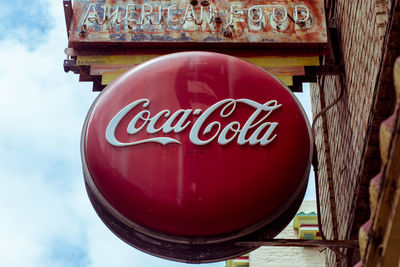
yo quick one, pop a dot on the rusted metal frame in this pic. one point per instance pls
(328, 162)
(68, 13)
(184, 46)
(301, 243)
(109, 49)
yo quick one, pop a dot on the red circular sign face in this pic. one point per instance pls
(196, 145)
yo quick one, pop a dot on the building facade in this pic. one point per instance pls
(366, 35)
(303, 226)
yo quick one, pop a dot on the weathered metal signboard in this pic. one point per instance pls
(293, 23)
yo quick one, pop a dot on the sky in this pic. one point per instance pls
(46, 216)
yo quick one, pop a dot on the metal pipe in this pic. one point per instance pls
(301, 243)
(316, 164)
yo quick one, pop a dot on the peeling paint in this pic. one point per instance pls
(146, 21)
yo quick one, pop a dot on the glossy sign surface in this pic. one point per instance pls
(196, 144)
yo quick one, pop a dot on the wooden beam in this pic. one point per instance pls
(262, 61)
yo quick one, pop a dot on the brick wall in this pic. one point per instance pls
(289, 256)
(342, 132)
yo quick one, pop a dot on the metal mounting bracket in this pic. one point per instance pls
(301, 243)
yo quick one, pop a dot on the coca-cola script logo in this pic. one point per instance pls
(263, 134)
(195, 146)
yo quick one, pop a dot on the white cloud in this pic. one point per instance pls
(47, 219)
(20, 15)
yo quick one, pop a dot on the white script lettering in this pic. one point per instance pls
(263, 133)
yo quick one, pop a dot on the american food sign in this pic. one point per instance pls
(200, 21)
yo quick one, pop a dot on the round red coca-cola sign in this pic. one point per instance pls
(188, 153)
